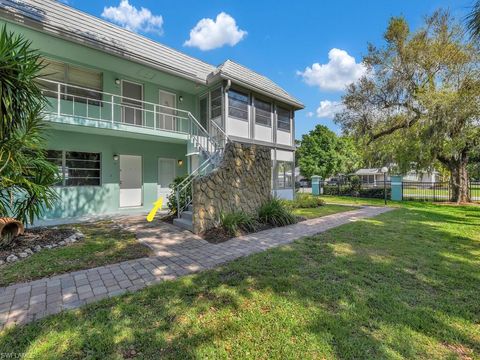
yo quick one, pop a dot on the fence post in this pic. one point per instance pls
(316, 184)
(396, 187)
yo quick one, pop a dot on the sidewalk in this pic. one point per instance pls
(176, 254)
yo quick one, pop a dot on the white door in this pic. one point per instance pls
(130, 180)
(166, 174)
(167, 118)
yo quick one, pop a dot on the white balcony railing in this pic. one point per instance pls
(67, 100)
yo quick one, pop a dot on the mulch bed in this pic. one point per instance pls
(219, 235)
(37, 236)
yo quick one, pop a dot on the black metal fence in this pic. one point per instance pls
(438, 191)
(411, 190)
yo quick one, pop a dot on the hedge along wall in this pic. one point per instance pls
(242, 182)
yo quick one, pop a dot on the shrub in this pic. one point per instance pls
(184, 198)
(375, 193)
(238, 220)
(355, 183)
(347, 190)
(303, 201)
(307, 201)
(275, 213)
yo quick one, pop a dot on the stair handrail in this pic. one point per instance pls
(210, 161)
(211, 140)
(219, 128)
(185, 183)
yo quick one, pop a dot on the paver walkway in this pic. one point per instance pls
(177, 253)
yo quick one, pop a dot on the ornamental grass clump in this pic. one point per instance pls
(276, 213)
(236, 221)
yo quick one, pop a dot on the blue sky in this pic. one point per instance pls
(279, 39)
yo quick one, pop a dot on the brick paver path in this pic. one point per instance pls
(176, 253)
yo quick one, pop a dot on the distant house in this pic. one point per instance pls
(423, 176)
(374, 176)
(371, 176)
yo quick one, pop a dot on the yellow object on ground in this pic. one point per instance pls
(156, 206)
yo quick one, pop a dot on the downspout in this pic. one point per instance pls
(225, 107)
(229, 84)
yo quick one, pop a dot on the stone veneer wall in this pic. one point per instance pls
(242, 182)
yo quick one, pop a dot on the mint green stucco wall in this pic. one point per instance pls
(104, 199)
(113, 67)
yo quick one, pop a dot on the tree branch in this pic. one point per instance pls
(394, 128)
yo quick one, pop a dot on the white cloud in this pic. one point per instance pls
(341, 70)
(310, 114)
(328, 109)
(210, 34)
(131, 18)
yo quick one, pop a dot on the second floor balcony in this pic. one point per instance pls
(75, 105)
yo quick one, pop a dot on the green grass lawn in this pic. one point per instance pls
(349, 200)
(405, 284)
(328, 209)
(102, 245)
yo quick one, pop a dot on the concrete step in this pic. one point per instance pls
(187, 215)
(183, 223)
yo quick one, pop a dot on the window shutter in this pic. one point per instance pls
(53, 70)
(85, 78)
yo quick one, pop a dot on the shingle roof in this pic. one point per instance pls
(66, 22)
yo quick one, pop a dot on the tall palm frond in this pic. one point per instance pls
(473, 20)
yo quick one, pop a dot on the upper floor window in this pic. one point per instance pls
(216, 103)
(204, 112)
(237, 105)
(283, 116)
(76, 168)
(87, 83)
(263, 112)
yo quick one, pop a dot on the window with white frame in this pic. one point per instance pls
(284, 175)
(283, 119)
(263, 113)
(216, 103)
(76, 168)
(89, 82)
(238, 105)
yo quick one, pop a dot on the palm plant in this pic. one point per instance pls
(26, 176)
(473, 20)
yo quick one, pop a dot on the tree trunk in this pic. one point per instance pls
(459, 178)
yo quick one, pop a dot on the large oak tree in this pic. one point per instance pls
(420, 98)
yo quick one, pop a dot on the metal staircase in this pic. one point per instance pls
(210, 146)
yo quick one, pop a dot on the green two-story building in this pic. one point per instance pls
(127, 114)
